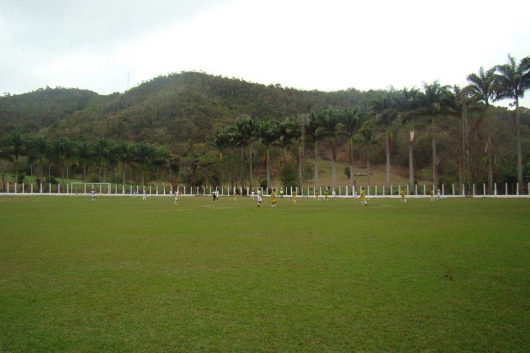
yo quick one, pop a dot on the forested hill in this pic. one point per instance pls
(166, 110)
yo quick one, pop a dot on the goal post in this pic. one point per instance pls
(85, 188)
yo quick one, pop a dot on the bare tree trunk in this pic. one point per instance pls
(434, 163)
(388, 169)
(411, 166)
(333, 158)
(316, 165)
(352, 174)
(519, 148)
(268, 168)
(300, 168)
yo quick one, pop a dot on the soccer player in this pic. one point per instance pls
(326, 193)
(403, 193)
(92, 195)
(294, 196)
(259, 198)
(438, 194)
(273, 199)
(176, 197)
(363, 198)
(252, 195)
(432, 194)
(333, 194)
(144, 195)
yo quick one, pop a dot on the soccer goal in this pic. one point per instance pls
(84, 188)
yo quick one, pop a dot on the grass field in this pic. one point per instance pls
(126, 275)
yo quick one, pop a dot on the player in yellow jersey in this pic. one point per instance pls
(403, 193)
(273, 199)
(363, 198)
(294, 196)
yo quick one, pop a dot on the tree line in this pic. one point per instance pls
(393, 127)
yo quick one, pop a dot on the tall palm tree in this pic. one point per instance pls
(267, 134)
(406, 105)
(284, 138)
(144, 154)
(234, 140)
(105, 154)
(460, 102)
(85, 155)
(369, 143)
(431, 104)
(125, 157)
(247, 128)
(39, 152)
(293, 132)
(15, 146)
(482, 88)
(385, 114)
(64, 152)
(161, 158)
(511, 82)
(311, 132)
(329, 128)
(220, 141)
(351, 121)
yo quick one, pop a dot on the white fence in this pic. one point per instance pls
(372, 191)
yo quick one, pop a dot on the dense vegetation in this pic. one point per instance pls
(200, 129)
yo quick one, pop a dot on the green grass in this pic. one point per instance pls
(126, 275)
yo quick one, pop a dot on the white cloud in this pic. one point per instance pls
(325, 45)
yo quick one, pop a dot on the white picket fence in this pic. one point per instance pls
(343, 192)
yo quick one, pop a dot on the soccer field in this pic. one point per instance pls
(126, 275)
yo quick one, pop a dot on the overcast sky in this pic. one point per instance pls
(110, 45)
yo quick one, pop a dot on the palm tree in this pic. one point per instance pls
(351, 121)
(369, 143)
(220, 141)
(311, 132)
(302, 120)
(247, 128)
(267, 134)
(64, 152)
(105, 154)
(293, 133)
(161, 158)
(385, 114)
(233, 142)
(431, 104)
(406, 105)
(143, 156)
(511, 82)
(15, 146)
(125, 157)
(482, 88)
(85, 155)
(329, 128)
(39, 152)
(459, 104)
